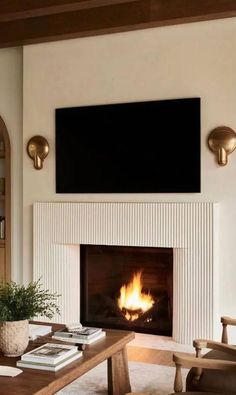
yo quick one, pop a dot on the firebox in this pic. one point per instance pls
(127, 288)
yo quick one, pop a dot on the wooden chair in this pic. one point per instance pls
(215, 371)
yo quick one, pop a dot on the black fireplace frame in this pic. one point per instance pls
(84, 305)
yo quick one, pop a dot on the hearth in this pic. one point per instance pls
(126, 287)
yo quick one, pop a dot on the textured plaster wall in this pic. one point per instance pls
(197, 59)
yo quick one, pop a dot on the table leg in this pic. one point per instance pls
(118, 374)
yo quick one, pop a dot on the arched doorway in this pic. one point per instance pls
(5, 203)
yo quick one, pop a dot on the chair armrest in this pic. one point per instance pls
(193, 362)
(202, 343)
(226, 321)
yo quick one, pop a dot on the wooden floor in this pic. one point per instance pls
(149, 355)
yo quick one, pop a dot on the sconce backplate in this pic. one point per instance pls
(38, 149)
(222, 141)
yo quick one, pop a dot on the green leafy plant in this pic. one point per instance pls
(19, 302)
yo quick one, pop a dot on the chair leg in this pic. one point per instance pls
(178, 384)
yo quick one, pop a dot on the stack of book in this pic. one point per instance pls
(50, 357)
(85, 335)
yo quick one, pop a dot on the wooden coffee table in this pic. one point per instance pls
(112, 348)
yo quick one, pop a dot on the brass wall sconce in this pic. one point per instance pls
(38, 149)
(222, 141)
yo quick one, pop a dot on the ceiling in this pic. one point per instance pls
(34, 21)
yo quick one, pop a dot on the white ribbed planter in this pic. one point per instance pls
(189, 228)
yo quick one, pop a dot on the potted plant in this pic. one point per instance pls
(18, 304)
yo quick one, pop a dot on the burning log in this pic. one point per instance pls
(130, 314)
(147, 316)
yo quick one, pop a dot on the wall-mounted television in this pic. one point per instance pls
(139, 147)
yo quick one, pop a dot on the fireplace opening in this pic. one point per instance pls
(127, 288)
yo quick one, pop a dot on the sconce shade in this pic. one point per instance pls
(38, 149)
(222, 141)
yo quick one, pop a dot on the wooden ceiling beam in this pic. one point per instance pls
(15, 9)
(185, 11)
(86, 22)
(110, 17)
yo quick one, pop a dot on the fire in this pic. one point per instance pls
(132, 301)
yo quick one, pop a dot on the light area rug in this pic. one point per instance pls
(160, 343)
(144, 377)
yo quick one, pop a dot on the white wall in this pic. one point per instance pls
(11, 112)
(189, 60)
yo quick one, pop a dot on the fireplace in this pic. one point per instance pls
(189, 228)
(127, 288)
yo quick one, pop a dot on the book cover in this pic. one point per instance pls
(50, 367)
(50, 353)
(75, 340)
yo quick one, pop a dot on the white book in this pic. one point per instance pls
(83, 333)
(50, 353)
(52, 368)
(36, 330)
(75, 340)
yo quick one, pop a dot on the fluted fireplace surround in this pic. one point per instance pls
(189, 228)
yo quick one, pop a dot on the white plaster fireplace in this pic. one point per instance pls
(189, 228)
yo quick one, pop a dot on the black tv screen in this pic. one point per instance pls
(140, 147)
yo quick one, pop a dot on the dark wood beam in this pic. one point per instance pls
(185, 11)
(88, 18)
(15, 9)
(80, 23)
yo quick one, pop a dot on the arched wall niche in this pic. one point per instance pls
(5, 203)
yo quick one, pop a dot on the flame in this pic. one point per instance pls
(132, 301)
